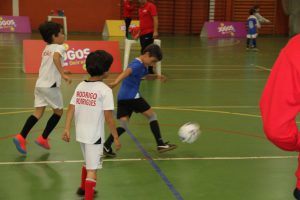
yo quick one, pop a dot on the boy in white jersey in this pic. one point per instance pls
(130, 99)
(92, 104)
(47, 88)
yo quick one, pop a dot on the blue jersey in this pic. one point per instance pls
(130, 86)
(252, 25)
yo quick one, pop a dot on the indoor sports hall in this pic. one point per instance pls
(213, 81)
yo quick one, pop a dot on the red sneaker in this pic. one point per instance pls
(42, 142)
(20, 143)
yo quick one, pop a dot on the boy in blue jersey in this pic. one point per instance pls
(130, 99)
(252, 25)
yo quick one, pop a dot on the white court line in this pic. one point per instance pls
(1, 63)
(201, 65)
(218, 79)
(208, 106)
(170, 79)
(263, 68)
(31, 108)
(186, 69)
(156, 159)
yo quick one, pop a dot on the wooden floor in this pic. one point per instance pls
(216, 83)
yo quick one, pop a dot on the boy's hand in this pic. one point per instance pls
(66, 136)
(117, 144)
(112, 85)
(67, 79)
(161, 77)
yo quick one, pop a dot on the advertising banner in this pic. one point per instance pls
(74, 58)
(14, 24)
(224, 29)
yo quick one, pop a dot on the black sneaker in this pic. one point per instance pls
(81, 192)
(166, 147)
(297, 194)
(108, 152)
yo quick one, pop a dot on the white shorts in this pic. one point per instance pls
(252, 36)
(48, 96)
(93, 155)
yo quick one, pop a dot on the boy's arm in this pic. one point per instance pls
(108, 114)
(121, 77)
(70, 113)
(155, 76)
(57, 62)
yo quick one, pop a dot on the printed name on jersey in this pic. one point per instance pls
(86, 98)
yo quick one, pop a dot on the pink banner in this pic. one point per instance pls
(225, 29)
(15, 24)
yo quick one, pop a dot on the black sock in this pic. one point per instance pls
(156, 132)
(31, 121)
(52, 122)
(248, 42)
(110, 138)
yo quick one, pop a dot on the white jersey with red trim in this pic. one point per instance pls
(48, 73)
(91, 99)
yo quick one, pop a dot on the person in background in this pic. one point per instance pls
(128, 7)
(252, 25)
(148, 26)
(261, 19)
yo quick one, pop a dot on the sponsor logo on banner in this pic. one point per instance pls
(18, 24)
(226, 30)
(75, 54)
(9, 24)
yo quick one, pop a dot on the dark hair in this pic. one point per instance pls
(154, 51)
(48, 29)
(252, 11)
(255, 7)
(98, 62)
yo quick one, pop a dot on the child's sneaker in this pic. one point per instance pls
(81, 192)
(20, 143)
(166, 147)
(108, 152)
(42, 142)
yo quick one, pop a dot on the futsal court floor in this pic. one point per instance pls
(214, 82)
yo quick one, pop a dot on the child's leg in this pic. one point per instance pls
(42, 140)
(83, 177)
(154, 126)
(92, 154)
(52, 122)
(20, 139)
(254, 42)
(248, 43)
(121, 129)
(32, 120)
(90, 184)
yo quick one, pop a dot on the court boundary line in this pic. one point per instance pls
(155, 159)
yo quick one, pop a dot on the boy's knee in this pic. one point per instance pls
(58, 112)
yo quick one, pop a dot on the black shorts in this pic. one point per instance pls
(126, 107)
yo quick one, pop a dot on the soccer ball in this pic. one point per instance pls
(189, 132)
